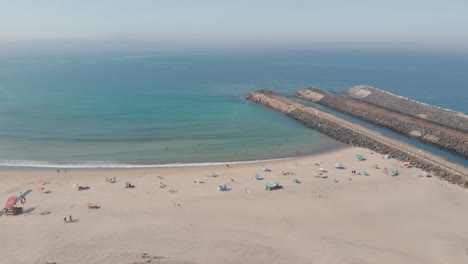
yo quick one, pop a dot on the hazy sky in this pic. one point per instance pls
(428, 23)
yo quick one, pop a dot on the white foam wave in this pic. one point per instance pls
(111, 165)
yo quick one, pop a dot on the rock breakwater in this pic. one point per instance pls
(445, 117)
(354, 134)
(441, 137)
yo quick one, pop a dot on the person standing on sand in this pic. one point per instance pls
(71, 219)
(65, 219)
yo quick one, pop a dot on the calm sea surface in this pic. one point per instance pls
(153, 108)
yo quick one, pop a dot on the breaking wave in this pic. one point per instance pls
(115, 165)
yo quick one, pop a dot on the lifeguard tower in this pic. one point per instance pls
(11, 208)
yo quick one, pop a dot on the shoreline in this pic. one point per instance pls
(124, 166)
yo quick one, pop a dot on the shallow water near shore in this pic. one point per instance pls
(150, 108)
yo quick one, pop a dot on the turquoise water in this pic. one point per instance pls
(153, 108)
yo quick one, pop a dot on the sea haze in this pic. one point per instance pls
(151, 108)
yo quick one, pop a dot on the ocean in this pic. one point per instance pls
(160, 108)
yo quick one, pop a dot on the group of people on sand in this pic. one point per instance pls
(83, 188)
(69, 217)
(162, 185)
(111, 180)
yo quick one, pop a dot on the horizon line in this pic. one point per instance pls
(146, 45)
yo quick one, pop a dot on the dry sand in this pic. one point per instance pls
(368, 219)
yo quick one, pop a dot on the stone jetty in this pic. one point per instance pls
(442, 137)
(445, 117)
(358, 135)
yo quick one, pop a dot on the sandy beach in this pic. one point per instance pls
(344, 218)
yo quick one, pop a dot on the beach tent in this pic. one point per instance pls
(272, 186)
(93, 205)
(359, 157)
(129, 185)
(406, 165)
(386, 156)
(339, 166)
(322, 169)
(364, 172)
(393, 172)
(222, 188)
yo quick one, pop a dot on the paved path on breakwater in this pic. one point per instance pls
(286, 105)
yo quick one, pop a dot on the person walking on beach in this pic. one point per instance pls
(65, 219)
(71, 219)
